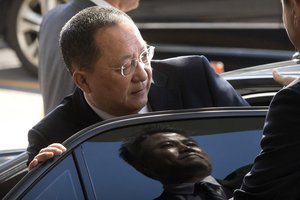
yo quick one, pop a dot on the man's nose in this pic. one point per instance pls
(184, 147)
(141, 73)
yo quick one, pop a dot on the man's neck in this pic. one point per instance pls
(104, 115)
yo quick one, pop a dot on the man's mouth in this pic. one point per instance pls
(138, 91)
(187, 155)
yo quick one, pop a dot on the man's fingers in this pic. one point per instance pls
(58, 146)
(277, 77)
(282, 80)
(41, 157)
(52, 150)
(32, 164)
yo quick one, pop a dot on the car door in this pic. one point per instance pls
(92, 168)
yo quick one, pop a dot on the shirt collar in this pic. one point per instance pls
(187, 188)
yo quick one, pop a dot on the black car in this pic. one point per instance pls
(209, 27)
(91, 167)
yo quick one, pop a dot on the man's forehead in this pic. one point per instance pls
(165, 136)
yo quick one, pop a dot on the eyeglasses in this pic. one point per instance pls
(145, 58)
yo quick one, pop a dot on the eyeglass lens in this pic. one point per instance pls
(145, 58)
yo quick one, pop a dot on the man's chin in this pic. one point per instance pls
(138, 108)
(141, 103)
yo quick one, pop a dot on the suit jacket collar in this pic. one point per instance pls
(87, 116)
(161, 96)
(188, 188)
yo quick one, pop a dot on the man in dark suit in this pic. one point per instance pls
(275, 174)
(176, 161)
(55, 80)
(110, 63)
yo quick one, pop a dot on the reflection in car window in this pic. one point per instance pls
(60, 184)
(114, 179)
(229, 151)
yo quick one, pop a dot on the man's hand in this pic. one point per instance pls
(52, 150)
(282, 80)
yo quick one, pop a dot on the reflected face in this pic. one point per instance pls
(109, 90)
(170, 154)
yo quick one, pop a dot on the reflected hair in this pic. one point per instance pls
(77, 40)
(131, 149)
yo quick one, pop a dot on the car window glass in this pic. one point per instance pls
(62, 182)
(114, 179)
(229, 151)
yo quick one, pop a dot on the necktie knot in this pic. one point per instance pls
(210, 191)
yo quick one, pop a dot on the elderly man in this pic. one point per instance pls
(55, 80)
(110, 64)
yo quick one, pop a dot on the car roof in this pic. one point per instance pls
(290, 67)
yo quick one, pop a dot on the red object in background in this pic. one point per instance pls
(218, 66)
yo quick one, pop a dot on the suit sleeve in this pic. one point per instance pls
(36, 141)
(212, 87)
(222, 93)
(275, 173)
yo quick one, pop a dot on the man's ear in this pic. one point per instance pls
(80, 79)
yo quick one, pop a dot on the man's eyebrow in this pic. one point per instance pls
(190, 140)
(143, 48)
(168, 140)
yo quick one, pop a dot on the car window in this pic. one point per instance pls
(228, 151)
(92, 167)
(60, 183)
(112, 177)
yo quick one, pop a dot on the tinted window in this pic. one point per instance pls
(114, 179)
(62, 182)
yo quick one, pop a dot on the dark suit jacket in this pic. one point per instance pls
(55, 80)
(179, 83)
(276, 171)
